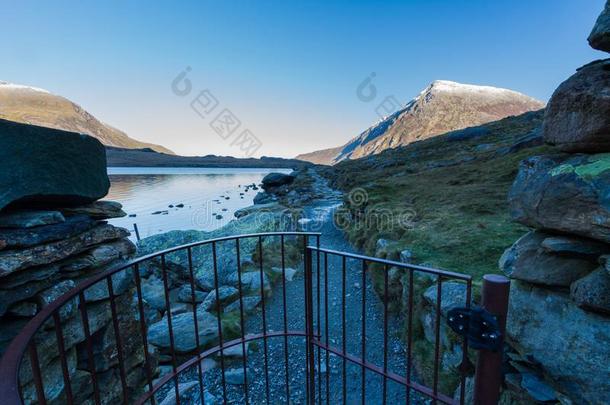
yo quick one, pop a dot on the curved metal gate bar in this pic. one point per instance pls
(25, 347)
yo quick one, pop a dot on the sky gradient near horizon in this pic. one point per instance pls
(287, 70)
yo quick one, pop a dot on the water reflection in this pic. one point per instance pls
(209, 196)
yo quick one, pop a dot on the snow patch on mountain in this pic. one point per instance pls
(12, 86)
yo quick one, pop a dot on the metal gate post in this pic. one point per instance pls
(309, 326)
(488, 377)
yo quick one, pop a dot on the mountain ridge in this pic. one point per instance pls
(443, 106)
(146, 157)
(36, 106)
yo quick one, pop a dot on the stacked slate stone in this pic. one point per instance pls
(559, 314)
(54, 234)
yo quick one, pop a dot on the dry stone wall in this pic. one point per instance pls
(559, 316)
(53, 235)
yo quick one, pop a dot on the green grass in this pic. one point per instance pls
(460, 213)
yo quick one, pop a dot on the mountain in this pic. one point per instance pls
(32, 105)
(442, 107)
(146, 157)
(321, 157)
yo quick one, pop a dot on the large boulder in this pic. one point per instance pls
(565, 194)
(183, 327)
(528, 260)
(276, 180)
(600, 36)
(569, 343)
(577, 118)
(44, 165)
(223, 295)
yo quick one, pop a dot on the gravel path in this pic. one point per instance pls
(330, 375)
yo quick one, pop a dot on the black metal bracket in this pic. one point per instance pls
(478, 325)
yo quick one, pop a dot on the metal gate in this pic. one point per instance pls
(320, 343)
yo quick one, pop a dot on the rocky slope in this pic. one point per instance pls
(36, 106)
(442, 107)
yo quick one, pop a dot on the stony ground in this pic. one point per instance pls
(329, 371)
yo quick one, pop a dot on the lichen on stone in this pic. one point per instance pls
(562, 169)
(596, 165)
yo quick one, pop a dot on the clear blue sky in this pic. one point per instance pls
(288, 70)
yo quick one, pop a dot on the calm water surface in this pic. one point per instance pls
(205, 193)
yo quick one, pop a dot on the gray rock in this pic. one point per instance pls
(153, 292)
(99, 315)
(99, 256)
(289, 272)
(52, 380)
(15, 260)
(249, 303)
(185, 294)
(251, 282)
(593, 291)
(121, 282)
(565, 194)
(27, 237)
(184, 332)
(381, 245)
(53, 166)
(30, 218)
(48, 296)
(574, 246)
(527, 260)
(110, 384)
(276, 179)
(104, 346)
(202, 256)
(577, 117)
(264, 198)
(600, 35)
(537, 388)
(70, 267)
(224, 295)
(177, 308)
(97, 210)
(25, 291)
(253, 209)
(532, 139)
(452, 294)
(236, 376)
(23, 309)
(235, 352)
(190, 393)
(406, 256)
(82, 389)
(573, 356)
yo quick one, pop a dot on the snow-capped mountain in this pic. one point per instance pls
(441, 107)
(32, 105)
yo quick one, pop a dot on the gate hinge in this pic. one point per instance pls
(478, 325)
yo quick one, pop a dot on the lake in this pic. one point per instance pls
(147, 193)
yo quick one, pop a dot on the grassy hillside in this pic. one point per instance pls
(454, 189)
